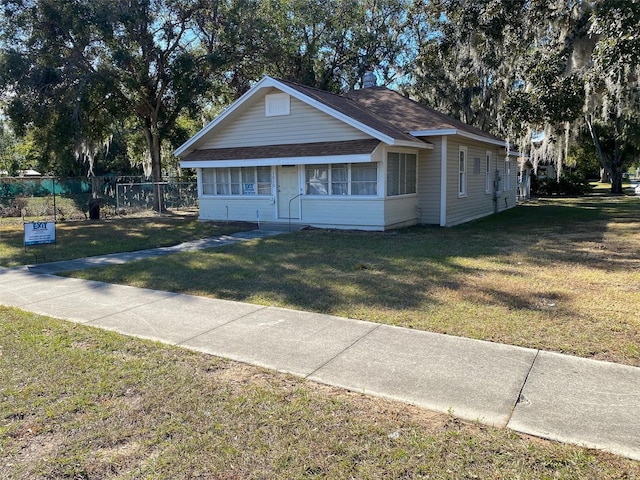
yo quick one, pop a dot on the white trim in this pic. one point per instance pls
(266, 162)
(417, 144)
(433, 133)
(443, 183)
(487, 173)
(463, 175)
(455, 131)
(266, 82)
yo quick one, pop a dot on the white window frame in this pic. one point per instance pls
(462, 172)
(507, 175)
(488, 180)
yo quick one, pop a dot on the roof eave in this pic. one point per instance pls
(266, 162)
(462, 133)
(416, 144)
(267, 81)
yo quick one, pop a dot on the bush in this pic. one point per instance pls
(569, 184)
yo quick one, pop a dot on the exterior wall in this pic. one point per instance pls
(478, 202)
(339, 212)
(304, 124)
(347, 213)
(428, 201)
(400, 211)
(241, 209)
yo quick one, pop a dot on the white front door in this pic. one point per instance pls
(288, 192)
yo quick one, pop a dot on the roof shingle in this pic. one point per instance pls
(350, 147)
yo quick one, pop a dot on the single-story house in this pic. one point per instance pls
(370, 159)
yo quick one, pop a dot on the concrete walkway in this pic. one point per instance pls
(559, 397)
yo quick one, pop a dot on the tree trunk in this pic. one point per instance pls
(616, 161)
(154, 145)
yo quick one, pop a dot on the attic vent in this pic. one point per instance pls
(277, 104)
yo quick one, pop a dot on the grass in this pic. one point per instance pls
(78, 239)
(82, 403)
(558, 274)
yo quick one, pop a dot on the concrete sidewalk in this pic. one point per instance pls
(559, 397)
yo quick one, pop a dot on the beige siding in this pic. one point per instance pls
(339, 212)
(477, 202)
(401, 211)
(239, 208)
(429, 184)
(304, 124)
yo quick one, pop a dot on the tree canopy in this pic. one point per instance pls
(77, 76)
(538, 73)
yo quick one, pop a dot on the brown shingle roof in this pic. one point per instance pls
(408, 114)
(355, 110)
(351, 147)
(389, 112)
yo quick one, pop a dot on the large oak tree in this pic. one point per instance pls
(75, 68)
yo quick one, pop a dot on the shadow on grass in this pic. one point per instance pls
(508, 278)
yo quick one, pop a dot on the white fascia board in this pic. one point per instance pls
(185, 147)
(455, 131)
(433, 133)
(267, 162)
(417, 144)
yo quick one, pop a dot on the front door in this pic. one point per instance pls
(288, 192)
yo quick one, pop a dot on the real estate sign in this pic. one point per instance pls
(39, 233)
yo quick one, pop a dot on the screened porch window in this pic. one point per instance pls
(236, 181)
(401, 173)
(341, 179)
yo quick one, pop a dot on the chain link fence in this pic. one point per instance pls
(79, 198)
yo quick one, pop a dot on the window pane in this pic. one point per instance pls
(208, 181)
(264, 174)
(364, 179)
(222, 181)
(411, 169)
(462, 180)
(317, 180)
(264, 180)
(488, 173)
(339, 179)
(393, 174)
(364, 172)
(235, 181)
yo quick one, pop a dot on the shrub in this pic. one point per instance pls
(570, 184)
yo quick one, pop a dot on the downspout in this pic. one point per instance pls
(443, 183)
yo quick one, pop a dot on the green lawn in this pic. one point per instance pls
(77, 239)
(559, 274)
(82, 403)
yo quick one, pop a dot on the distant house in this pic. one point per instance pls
(29, 173)
(371, 159)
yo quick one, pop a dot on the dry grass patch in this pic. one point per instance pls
(81, 403)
